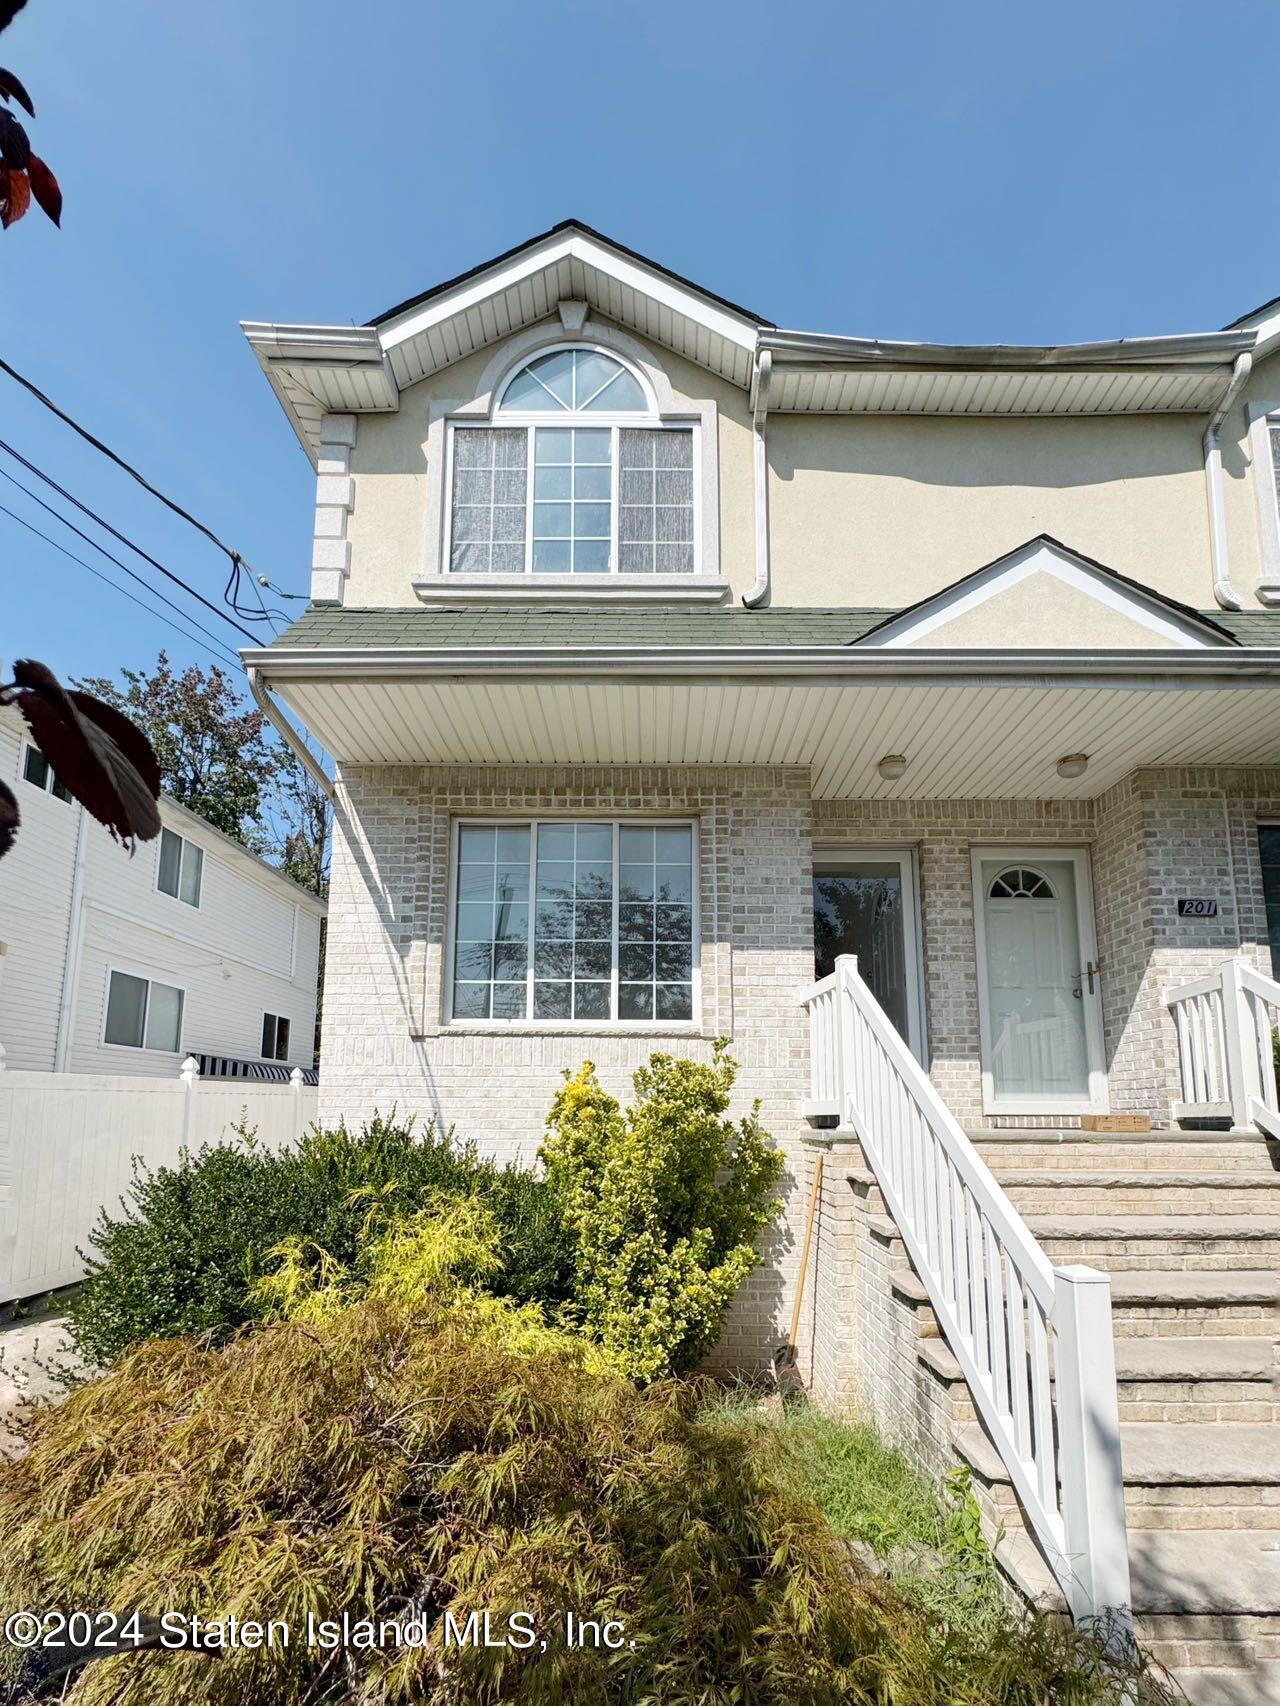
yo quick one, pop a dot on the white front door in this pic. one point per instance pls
(1038, 983)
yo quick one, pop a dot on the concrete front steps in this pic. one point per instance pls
(1188, 1226)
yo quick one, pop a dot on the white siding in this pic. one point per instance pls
(250, 947)
(35, 912)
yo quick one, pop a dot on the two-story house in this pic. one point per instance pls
(127, 965)
(908, 714)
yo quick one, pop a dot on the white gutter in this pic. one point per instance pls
(1236, 666)
(759, 413)
(1223, 591)
(285, 729)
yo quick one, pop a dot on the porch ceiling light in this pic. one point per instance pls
(892, 765)
(1074, 764)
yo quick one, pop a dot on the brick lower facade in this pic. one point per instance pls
(1158, 834)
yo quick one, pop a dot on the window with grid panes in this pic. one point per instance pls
(570, 482)
(574, 922)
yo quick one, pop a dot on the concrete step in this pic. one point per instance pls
(1210, 1151)
(1119, 1242)
(1179, 1379)
(1100, 1191)
(1178, 1475)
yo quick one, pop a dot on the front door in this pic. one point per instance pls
(1038, 983)
(867, 906)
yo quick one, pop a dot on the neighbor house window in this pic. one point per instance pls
(583, 922)
(142, 1014)
(181, 867)
(576, 475)
(38, 770)
(275, 1037)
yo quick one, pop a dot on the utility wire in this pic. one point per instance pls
(217, 651)
(102, 550)
(238, 564)
(125, 540)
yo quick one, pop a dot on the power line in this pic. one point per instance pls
(125, 540)
(102, 551)
(238, 564)
(219, 654)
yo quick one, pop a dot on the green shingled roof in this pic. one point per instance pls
(336, 626)
(648, 625)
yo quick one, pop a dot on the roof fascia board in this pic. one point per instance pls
(577, 245)
(1194, 349)
(1226, 666)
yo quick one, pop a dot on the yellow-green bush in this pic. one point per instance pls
(664, 1203)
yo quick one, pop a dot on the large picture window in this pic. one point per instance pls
(575, 475)
(575, 922)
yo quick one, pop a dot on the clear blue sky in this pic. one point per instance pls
(985, 172)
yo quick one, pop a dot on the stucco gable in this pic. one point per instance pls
(1046, 596)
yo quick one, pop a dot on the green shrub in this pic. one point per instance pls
(664, 1203)
(186, 1251)
(451, 1455)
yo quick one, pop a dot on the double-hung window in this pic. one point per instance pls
(575, 474)
(574, 921)
(143, 1014)
(181, 868)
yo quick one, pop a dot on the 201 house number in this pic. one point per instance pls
(1197, 907)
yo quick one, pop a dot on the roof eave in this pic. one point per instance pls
(1204, 350)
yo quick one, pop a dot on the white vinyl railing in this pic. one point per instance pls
(1226, 1024)
(1034, 1341)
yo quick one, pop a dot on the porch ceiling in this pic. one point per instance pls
(977, 737)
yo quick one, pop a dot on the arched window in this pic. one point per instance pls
(576, 473)
(1018, 883)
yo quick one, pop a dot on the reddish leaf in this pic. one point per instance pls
(44, 187)
(15, 196)
(14, 144)
(101, 758)
(8, 819)
(11, 88)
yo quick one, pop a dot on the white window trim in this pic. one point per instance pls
(147, 978)
(1097, 1099)
(692, 1026)
(435, 584)
(835, 856)
(1261, 411)
(186, 841)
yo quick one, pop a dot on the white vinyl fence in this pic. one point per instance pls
(67, 1143)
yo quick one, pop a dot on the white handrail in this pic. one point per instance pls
(1225, 1024)
(999, 1300)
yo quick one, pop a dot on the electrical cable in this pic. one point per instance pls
(218, 655)
(102, 551)
(126, 541)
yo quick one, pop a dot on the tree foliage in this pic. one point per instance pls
(219, 758)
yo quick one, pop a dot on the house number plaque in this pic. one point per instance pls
(1194, 907)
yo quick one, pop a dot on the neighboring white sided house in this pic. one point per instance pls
(118, 964)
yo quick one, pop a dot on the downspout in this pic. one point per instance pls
(1223, 591)
(764, 373)
(67, 999)
(285, 729)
